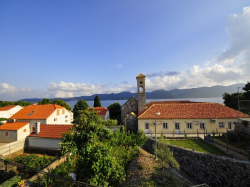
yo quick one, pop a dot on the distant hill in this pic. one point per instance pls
(202, 92)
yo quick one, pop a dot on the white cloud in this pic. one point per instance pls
(119, 65)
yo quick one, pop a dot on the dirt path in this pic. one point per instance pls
(142, 171)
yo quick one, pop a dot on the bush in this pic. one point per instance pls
(14, 180)
(110, 122)
(232, 136)
(7, 175)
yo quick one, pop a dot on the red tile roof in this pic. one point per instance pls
(101, 110)
(36, 112)
(13, 126)
(8, 107)
(51, 131)
(189, 111)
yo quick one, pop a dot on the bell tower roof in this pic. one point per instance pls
(140, 76)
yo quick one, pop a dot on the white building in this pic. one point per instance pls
(9, 110)
(102, 112)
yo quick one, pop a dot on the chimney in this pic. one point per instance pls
(37, 127)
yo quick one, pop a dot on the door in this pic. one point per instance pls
(147, 128)
(177, 128)
(229, 125)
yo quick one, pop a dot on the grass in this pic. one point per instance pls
(241, 144)
(199, 145)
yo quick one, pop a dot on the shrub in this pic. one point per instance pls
(14, 180)
(232, 136)
(110, 122)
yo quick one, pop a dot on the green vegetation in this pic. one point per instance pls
(199, 145)
(56, 102)
(101, 156)
(20, 103)
(39, 162)
(12, 181)
(97, 102)
(240, 143)
(6, 176)
(231, 100)
(81, 105)
(3, 119)
(110, 122)
(115, 111)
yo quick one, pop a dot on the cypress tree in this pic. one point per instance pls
(97, 102)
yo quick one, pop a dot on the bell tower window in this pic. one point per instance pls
(141, 89)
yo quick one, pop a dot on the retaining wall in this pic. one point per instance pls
(208, 168)
(53, 165)
(13, 147)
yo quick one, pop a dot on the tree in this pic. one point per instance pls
(23, 103)
(45, 101)
(80, 105)
(62, 103)
(97, 102)
(115, 111)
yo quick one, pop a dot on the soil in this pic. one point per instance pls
(145, 170)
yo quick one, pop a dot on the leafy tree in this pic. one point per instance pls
(101, 156)
(45, 101)
(21, 103)
(115, 111)
(62, 103)
(80, 105)
(97, 102)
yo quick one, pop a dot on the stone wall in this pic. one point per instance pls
(132, 124)
(208, 168)
(130, 106)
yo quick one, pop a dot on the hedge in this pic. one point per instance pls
(11, 181)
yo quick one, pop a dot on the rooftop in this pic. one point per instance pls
(101, 110)
(51, 131)
(36, 112)
(8, 107)
(189, 111)
(13, 126)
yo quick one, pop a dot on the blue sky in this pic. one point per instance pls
(65, 48)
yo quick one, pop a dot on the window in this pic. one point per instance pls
(66, 120)
(33, 129)
(141, 89)
(7, 133)
(146, 125)
(165, 125)
(177, 126)
(189, 125)
(31, 113)
(221, 124)
(229, 125)
(24, 130)
(55, 119)
(66, 116)
(58, 112)
(202, 125)
(63, 111)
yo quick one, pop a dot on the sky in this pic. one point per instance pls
(65, 48)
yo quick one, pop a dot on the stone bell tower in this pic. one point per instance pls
(141, 92)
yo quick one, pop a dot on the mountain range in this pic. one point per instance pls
(201, 92)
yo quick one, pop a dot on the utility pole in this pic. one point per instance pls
(239, 105)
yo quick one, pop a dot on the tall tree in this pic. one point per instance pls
(62, 103)
(97, 102)
(115, 111)
(80, 105)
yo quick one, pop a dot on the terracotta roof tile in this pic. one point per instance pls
(51, 131)
(8, 107)
(13, 126)
(36, 112)
(189, 110)
(101, 110)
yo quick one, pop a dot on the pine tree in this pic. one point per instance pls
(97, 102)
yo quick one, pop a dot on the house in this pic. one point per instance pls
(47, 136)
(10, 132)
(9, 110)
(102, 112)
(45, 114)
(190, 117)
(176, 117)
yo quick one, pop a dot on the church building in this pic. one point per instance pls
(130, 109)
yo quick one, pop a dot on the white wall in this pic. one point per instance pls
(54, 118)
(23, 132)
(32, 122)
(46, 143)
(10, 112)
